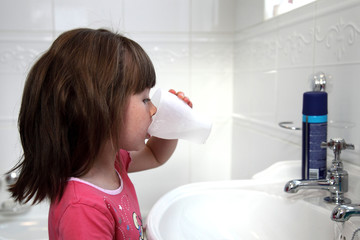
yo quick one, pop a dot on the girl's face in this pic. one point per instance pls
(138, 117)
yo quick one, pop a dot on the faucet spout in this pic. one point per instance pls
(342, 213)
(336, 181)
(294, 186)
(335, 187)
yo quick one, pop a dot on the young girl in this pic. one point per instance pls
(83, 123)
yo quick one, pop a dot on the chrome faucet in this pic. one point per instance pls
(336, 181)
(342, 213)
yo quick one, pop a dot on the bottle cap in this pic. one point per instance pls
(315, 103)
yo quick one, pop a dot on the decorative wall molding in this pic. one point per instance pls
(265, 42)
(338, 37)
(294, 44)
(165, 56)
(199, 51)
(17, 58)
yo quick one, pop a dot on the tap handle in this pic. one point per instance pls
(337, 144)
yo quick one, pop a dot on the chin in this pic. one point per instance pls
(135, 146)
(140, 146)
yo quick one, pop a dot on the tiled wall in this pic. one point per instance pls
(190, 43)
(211, 50)
(273, 65)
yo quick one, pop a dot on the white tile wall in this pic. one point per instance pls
(190, 43)
(69, 14)
(20, 15)
(211, 50)
(274, 61)
(213, 15)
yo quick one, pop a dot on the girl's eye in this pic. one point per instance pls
(146, 100)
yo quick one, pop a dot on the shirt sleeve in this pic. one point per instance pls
(81, 221)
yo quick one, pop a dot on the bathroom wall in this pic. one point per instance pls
(273, 65)
(190, 43)
(245, 74)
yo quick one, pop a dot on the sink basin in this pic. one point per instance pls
(31, 224)
(29, 229)
(241, 209)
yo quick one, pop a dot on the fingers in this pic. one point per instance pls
(182, 96)
(187, 101)
(172, 91)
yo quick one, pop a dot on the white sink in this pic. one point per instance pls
(241, 209)
(29, 225)
(228, 210)
(29, 229)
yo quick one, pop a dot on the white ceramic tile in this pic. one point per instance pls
(169, 57)
(303, 14)
(248, 13)
(264, 49)
(179, 81)
(296, 38)
(212, 76)
(10, 147)
(30, 15)
(256, 48)
(242, 92)
(17, 56)
(212, 52)
(10, 95)
(337, 35)
(27, 37)
(343, 99)
(329, 7)
(259, 100)
(171, 61)
(336, 43)
(263, 97)
(243, 56)
(212, 161)
(253, 151)
(212, 93)
(268, 66)
(213, 15)
(292, 83)
(159, 37)
(156, 15)
(247, 159)
(71, 14)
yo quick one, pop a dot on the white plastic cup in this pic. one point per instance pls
(174, 119)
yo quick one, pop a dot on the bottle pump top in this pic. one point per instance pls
(315, 103)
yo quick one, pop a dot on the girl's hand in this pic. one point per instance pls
(182, 96)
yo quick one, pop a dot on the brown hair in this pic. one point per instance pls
(73, 100)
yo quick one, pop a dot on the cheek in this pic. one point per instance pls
(137, 121)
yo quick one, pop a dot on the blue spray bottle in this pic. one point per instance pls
(314, 131)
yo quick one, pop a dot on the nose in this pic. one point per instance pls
(153, 109)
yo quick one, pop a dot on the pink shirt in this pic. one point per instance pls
(89, 212)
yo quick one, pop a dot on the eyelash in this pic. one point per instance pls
(146, 100)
